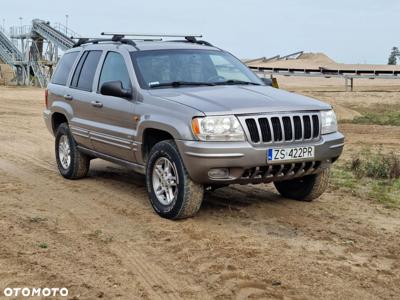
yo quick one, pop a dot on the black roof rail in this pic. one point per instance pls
(194, 41)
(116, 38)
(153, 35)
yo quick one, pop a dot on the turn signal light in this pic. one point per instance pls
(196, 127)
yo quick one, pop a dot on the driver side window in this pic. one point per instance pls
(114, 69)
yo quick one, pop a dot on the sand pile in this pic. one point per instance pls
(7, 74)
(305, 60)
(316, 58)
(316, 61)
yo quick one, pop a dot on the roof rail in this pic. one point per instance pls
(195, 41)
(191, 38)
(154, 35)
(117, 38)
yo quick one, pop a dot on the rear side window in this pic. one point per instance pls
(64, 68)
(114, 69)
(85, 70)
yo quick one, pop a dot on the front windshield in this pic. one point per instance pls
(166, 68)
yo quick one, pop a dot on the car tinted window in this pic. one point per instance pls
(114, 69)
(78, 69)
(84, 73)
(64, 68)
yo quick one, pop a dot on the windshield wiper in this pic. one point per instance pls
(180, 83)
(234, 82)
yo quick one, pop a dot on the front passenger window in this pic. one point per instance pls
(114, 69)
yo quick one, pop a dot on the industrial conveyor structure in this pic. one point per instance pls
(347, 74)
(33, 50)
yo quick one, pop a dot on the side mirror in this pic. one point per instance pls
(267, 81)
(115, 88)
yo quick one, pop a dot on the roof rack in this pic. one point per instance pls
(191, 38)
(120, 37)
(154, 35)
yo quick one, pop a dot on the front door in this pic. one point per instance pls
(113, 115)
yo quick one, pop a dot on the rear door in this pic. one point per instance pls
(80, 95)
(113, 115)
(58, 88)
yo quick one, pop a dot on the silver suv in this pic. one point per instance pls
(189, 116)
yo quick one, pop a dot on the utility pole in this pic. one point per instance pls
(66, 24)
(20, 23)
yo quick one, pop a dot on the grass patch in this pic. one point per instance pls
(379, 118)
(378, 166)
(343, 178)
(371, 175)
(37, 219)
(386, 192)
(43, 245)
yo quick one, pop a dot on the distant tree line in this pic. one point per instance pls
(393, 56)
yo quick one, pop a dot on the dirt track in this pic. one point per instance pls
(247, 242)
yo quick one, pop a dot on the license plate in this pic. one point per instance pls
(290, 154)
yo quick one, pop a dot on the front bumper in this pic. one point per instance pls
(240, 157)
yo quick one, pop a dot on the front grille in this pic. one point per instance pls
(283, 128)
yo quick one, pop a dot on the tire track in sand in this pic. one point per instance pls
(155, 281)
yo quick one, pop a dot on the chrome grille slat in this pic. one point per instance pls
(282, 128)
(272, 129)
(302, 128)
(293, 128)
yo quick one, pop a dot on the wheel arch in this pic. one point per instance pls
(57, 119)
(152, 136)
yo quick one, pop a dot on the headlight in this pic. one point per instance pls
(329, 123)
(221, 129)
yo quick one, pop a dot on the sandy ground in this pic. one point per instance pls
(104, 240)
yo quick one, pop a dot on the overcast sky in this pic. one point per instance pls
(349, 31)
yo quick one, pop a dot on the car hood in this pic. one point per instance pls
(223, 100)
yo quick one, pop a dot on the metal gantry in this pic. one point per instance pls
(34, 50)
(349, 75)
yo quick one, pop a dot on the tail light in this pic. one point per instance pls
(46, 97)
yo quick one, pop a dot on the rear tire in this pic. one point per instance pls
(71, 163)
(173, 194)
(307, 188)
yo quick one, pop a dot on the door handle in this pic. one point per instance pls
(68, 97)
(97, 104)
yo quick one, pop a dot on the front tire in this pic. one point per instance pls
(173, 194)
(307, 188)
(71, 163)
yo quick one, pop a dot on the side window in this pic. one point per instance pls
(64, 68)
(85, 70)
(114, 69)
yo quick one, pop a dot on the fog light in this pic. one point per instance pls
(222, 173)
